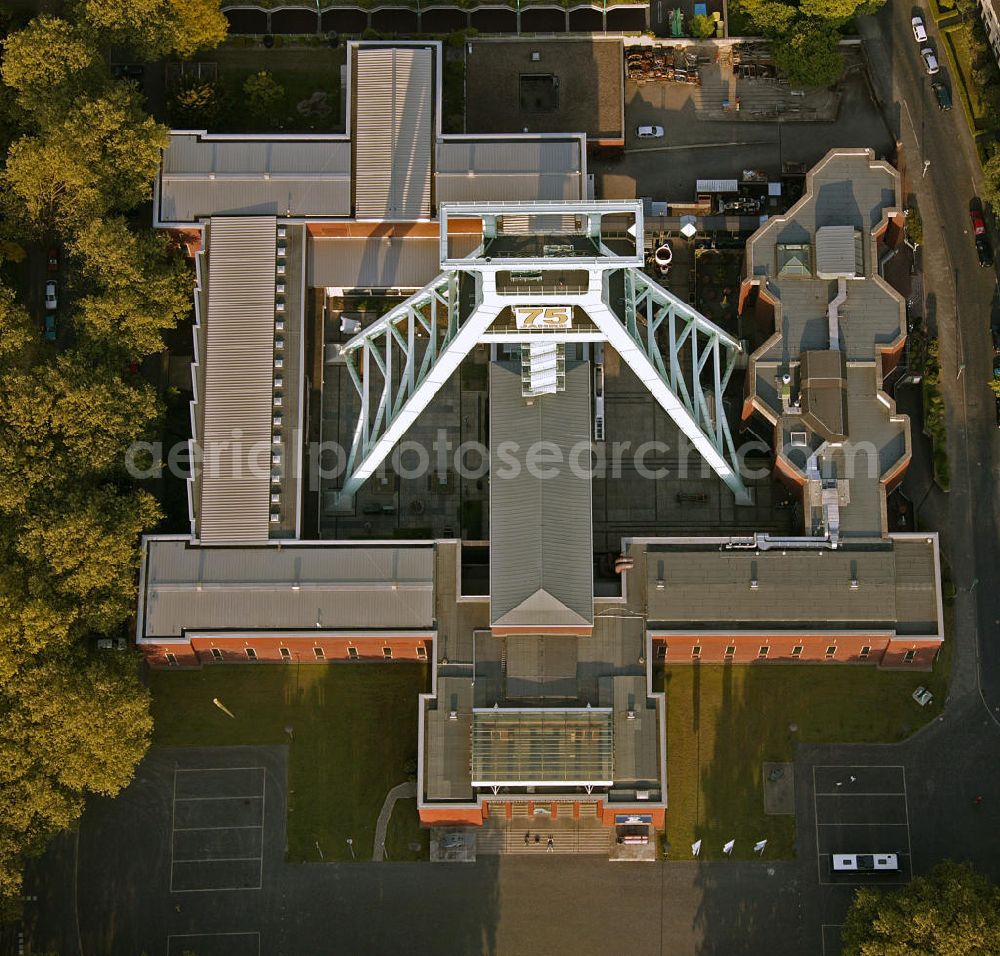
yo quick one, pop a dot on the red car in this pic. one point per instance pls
(984, 248)
(53, 260)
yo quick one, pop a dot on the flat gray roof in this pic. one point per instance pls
(293, 587)
(513, 170)
(708, 588)
(379, 262)
(202, 176)
(448, 748)
(541, 547)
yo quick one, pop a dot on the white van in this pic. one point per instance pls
(865, 863)
(649, 132)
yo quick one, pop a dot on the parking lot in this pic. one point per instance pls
(214, 944)
(861, 809)
(217, 829)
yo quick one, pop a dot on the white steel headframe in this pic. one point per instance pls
(400, 362)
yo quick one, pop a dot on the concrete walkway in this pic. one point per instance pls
(402, 791)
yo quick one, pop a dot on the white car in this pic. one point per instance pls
(922, 696)
(649, 132)
(930, 60)
(919, 30)
(51, 302)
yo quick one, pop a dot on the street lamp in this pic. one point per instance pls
(927, 165)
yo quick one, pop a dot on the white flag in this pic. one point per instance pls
(696, 848)
(758, 847)
(728, 848)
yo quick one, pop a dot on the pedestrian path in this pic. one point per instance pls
(402, 791)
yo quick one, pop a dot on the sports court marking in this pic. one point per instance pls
(214, 944)
(869, 801)
(217, 829)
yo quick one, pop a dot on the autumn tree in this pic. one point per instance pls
(70, 725)
(952, 911)
(49, 63)
(991, 181)
(156, 28)
(139, 286)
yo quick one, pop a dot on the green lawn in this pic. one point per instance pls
(956, 43)
(404, 830)
(354, 728)
(723, 722)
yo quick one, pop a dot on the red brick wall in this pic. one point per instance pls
(882, 651)
(268, 648)
(608, 812)
(432, 817)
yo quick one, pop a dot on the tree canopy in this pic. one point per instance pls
(49, 62)
(952, 911)
(156, 28)
(809, 55)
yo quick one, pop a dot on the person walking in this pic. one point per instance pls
(550, 846)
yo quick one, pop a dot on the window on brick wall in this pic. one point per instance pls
(319, 654)
(730, 650)
(797, 650)
(251, 653)
(908, 656)
(172, 659)
(831, 650)
(352, 652)
(763, 651)
(865, 651)
(421, 652)
(286, 654)
(387, 653)
(216, 654)
(696, 651)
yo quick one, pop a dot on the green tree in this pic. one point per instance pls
(702, 27)
(952, 911)
(140, 283)
(197, 25)
(50, 62)
(263, 95)
(156, 28)
(103, 156)
(809, 55)
(15, 328)
(991, 181)
(84, 545)
(70, 725)
(770, 17)
(838, 10)
(58, 422)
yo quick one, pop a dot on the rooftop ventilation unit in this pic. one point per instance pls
(854, 584)
(800, 439)
(278, 381)
(535, 56)
(282, 231)
(279, 306)
(276, 458)
(279, 325)
(279, 287)
(276, 438)
(275, 497)
(631, 714)
(279, 343)
(279, 362)
(275, 517)
(282, 249)
(281, 268)
(277, 401)
(754, 584)
(277, 420)
(660, 584)
(453, 715)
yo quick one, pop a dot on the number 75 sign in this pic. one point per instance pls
(541, 318)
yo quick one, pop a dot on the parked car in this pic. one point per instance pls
(922, 696)
(930, 61)
(53, 263)
(50, 328)
(919, 30)
(51, 300)
(984, 248)
(649, 132)
(943, 93)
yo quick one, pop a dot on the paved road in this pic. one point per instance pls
(960, 300)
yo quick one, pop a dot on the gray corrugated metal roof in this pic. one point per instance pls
(393, 123)
(838, 252)
(238, 381)
(192, 588)
(541, 549)
(508, 171)
(203, 177)
(380, 262)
